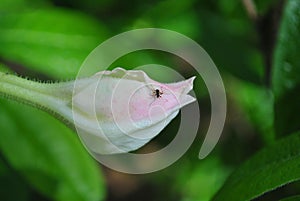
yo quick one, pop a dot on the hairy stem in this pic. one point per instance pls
(47, 97)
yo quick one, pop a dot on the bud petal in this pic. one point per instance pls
(119, 111)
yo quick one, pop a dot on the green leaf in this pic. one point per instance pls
(48, 155)
(270, 168)
(256, 103)
(19, 5)
(293, 198)
(286, 79)
(50, 41)
(201, 180)
(10, 183)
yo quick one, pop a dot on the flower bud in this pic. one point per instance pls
(121, 110)
(113, 111)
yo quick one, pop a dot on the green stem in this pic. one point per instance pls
(53, 98)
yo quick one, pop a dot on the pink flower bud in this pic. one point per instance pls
(119, 111)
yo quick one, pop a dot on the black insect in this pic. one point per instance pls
(157, 93)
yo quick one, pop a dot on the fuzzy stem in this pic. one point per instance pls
(48, 97)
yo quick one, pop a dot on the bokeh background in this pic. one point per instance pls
(255, 45)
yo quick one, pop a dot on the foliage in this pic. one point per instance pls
(278, 164)
(36, 154)
(48, 40)
(286, 80)
(270, 168)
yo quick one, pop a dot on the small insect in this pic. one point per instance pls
(157, 93)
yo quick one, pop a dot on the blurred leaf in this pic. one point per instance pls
(180, 17)
(264, 6)
(21, 5)
(223, 30)
(191, 179)
(53, 41)
(231, 41)
(287, 63)
(257, 105)
(10, 183)
(293, 198)
(185, 23)
(270, 168)
(96, 7)
(48, 154)
(201, 180)
(228, 7)
(287, 112)
(286, 79)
